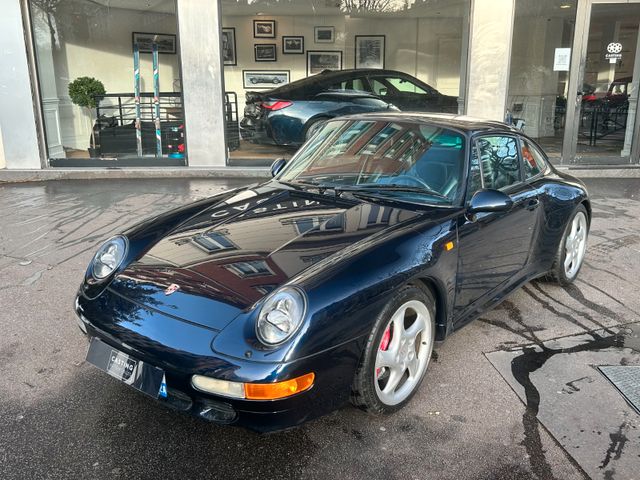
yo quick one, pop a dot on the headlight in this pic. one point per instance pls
(281, 315)
(109, 257)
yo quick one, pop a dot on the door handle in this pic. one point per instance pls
(533, 204)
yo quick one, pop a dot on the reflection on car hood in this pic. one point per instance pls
(236, 252)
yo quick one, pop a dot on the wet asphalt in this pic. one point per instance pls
(61, 418)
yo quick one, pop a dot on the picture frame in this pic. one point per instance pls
(264, 52)
(324, 34)
(257, 79)
(264, 29)
(320, 60)
(228, 46)
(166, 42)
(369, 51)
(292, 45)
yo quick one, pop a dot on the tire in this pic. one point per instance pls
(312, 127)
(372, 376)
(564, 271)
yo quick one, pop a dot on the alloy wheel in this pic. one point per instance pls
(575, 245)
(403, 353)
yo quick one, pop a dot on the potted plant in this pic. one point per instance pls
(83, 92)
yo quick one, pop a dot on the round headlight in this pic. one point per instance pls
(281, 315)
(109, 257)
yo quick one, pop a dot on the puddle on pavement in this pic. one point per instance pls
(561, 386)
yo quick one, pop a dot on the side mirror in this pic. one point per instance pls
(277, 165)
(488, 200)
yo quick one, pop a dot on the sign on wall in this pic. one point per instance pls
(562, 60)
(614, 52)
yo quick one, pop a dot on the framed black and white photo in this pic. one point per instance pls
(265, 52)
(166, 42)
(292, 45)
(264, 29)
(229, 46)
(253, 79)
(320, 60)
(369, 51)
(324, 34)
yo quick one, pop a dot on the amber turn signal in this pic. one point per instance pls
(448, 246)
(273, 391)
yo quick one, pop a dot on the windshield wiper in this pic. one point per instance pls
(393, 188)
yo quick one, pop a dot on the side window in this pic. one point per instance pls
(403, 85)
(351, 84)
(378, 87)
(499, 161)
(532, 160)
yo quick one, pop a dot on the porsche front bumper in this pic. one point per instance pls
(183, 349)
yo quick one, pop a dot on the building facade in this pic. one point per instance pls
(101, 83)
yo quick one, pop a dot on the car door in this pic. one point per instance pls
(494, 247)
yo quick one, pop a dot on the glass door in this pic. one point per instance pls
(605, 122)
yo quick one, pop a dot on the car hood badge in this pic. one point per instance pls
(171, 289)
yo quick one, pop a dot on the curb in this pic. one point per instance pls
(79, 173)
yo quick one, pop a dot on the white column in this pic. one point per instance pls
(489, 58)
(202, 82)
(17, 117)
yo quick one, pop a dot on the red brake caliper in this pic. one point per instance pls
(384, 344)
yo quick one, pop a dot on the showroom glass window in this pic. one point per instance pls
(394, 54)
(95, 39)
(539, 77)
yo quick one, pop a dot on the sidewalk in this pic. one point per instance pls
(83, 173)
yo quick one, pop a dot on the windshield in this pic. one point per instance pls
(395, 158)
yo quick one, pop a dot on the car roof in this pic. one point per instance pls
(332, 75)
(446, 120)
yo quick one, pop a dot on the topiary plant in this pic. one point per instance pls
(82, 92)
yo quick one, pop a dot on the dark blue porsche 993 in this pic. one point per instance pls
(270, 305)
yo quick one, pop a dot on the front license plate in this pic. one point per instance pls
(141, 376)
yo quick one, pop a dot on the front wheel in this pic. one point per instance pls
(572, 248)
(397, 352)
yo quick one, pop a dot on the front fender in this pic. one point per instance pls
(346, 294)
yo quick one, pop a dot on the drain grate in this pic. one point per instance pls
(626, 378)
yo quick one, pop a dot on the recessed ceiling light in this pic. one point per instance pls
(566, 6)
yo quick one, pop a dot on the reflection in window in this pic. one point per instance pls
(379, 138)
(213, 242)
(532, 160)
(499, 161)
(305, 224)
(251, 268)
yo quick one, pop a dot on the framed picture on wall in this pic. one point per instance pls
(264, 29)
(369, 51)
(292, 45)
(265, 52)
(264, 78)
(229, 46)
(166, 42)
(324, 34)
(320, 60)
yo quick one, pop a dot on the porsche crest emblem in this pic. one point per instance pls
(171, 289)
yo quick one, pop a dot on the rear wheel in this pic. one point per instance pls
(312, 127)
(397, 352)
(572, 248)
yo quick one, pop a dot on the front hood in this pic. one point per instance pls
(230, 255)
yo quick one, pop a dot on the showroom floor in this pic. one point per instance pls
(493, 404)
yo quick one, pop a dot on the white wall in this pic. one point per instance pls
(17, 117)
(428, 48)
